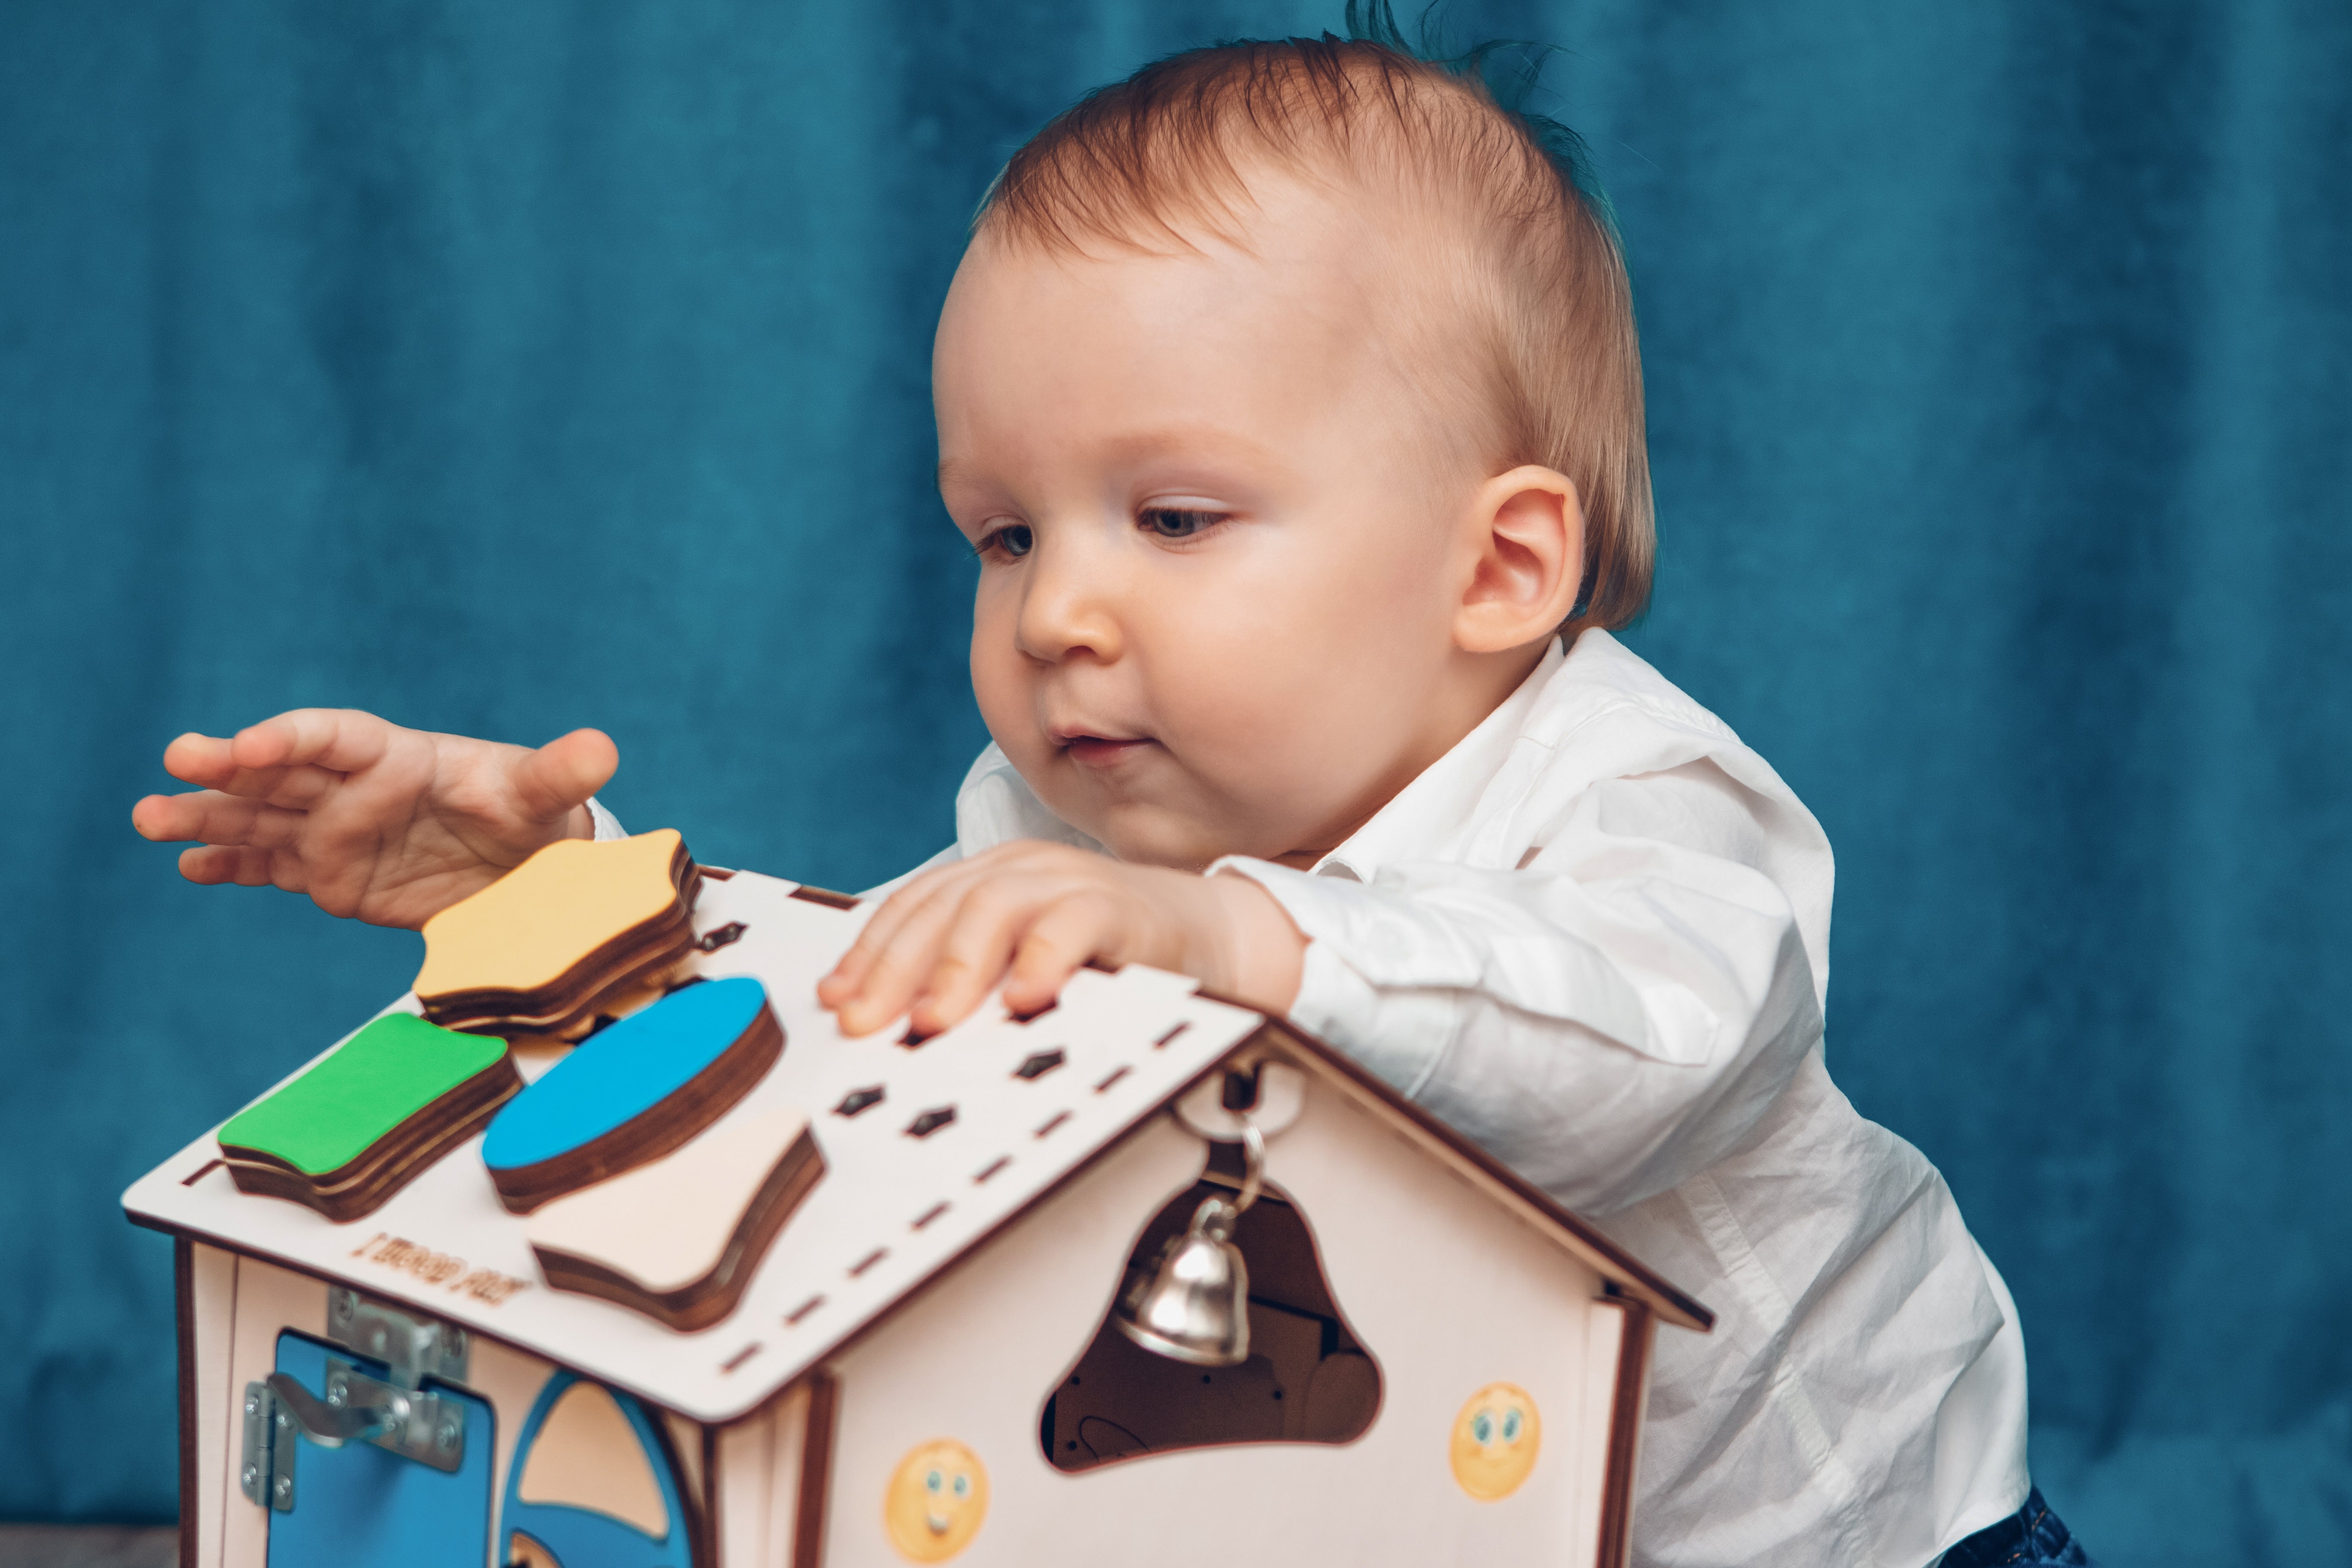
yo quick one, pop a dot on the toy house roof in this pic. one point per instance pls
(929, 1148)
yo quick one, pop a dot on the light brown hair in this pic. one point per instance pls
(1542, 323)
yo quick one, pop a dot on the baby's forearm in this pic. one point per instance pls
(1258, 954)
(1609, 1043)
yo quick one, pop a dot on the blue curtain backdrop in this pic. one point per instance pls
(504, 368)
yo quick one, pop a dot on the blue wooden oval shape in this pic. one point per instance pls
(623, 1071)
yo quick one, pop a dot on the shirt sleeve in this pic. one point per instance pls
(1609, 1018)
(946, 856)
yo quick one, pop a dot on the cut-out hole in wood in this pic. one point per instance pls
(928, 1215)
(931, 1121)
(858, 1099)
(991, 1168)
(914, 1037)
(1171, 1035)
(715, 873)
(1106, 1084)
(792, 1318)
(740, 1357)
(1038, 1065)
(824, 895)
(1034, 1015)
(725, 936)
(869, 1261)
(1059, 1117)
(1308, 1379)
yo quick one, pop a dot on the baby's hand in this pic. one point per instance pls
(1031, 914)
(389, 824)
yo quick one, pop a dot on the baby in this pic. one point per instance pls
(1290, 396)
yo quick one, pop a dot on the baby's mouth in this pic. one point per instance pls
(938, 1523)
(1101, 750)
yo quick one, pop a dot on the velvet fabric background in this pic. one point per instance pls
(504, 368)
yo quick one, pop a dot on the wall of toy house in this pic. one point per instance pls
(944, 1431)
(1447, 1295)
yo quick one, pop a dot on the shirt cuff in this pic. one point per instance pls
(1399, 1034)
(1380, 932)
(608, 827)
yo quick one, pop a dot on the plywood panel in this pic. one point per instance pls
(218, 1430)
(510, 1380)
(1447, 1291)
(1604, 1335)
(268, 1299)
(787, 1418)
(741, 1487)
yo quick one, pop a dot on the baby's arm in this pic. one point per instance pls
(372, 820)
(1611, 1018)
(1031, 913)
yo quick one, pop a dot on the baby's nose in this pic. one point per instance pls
(1067, 609)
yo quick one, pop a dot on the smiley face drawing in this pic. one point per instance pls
(1495, 1441)
(938, 1496)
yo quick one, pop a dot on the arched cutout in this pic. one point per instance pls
(1308, 1379)
(592, 1484)
(587, 1456)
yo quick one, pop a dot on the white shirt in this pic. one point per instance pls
(1594, 937)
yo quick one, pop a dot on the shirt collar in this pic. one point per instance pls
(1434, 815)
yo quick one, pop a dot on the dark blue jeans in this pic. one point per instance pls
(2032, 1534)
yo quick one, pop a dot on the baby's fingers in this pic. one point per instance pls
(212, 866)
(561, 775)
(212, 817)
(973, 954)
(1055, 947)
(341, 739)
(881, 930)
(200, 760)
(214, 764)
(890, 967)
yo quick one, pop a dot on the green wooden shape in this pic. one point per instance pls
(378, 1078)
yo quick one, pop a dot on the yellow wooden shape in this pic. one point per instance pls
(525, 930)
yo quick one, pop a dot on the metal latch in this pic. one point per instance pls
(393, 1412)
(412, 1346)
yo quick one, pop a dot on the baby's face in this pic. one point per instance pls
(1221, 545)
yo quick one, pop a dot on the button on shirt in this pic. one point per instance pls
(1594, 937)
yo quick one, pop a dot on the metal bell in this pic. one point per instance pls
(1193, 1304)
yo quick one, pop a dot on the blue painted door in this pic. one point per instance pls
(360, 1505)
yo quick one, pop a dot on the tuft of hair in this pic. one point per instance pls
(1539, 312)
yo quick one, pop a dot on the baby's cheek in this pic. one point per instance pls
(1004, 686)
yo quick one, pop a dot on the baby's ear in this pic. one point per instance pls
(1524, 537)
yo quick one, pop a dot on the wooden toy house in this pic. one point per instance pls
(949, 1275)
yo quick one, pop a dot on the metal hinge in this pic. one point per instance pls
(266, 1468)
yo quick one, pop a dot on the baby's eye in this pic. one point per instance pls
(932, 1482)
(1015, 538)
(1511, 1425)
(963, 1485)
(1482, 1429)
(1179, 522)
